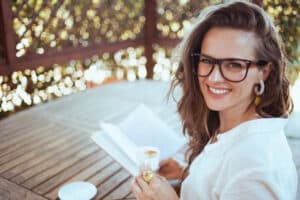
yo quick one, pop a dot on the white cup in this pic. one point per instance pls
(148, 156)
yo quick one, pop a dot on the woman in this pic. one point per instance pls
(233, 108)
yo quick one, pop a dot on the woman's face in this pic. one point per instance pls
(219, 93)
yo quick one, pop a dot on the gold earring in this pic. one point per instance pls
(257, 100)
(259, 90)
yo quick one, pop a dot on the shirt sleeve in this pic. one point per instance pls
(259, 184)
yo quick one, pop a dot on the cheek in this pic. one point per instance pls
(253, 76)
(201, 82)
(247, 86)
(202, 86)
(246, 89)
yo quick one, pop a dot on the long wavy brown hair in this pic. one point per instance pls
(199, 122)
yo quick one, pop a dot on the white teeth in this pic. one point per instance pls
(218, 91)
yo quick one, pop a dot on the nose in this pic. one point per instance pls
(216, 75)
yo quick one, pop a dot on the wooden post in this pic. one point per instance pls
(150, 34)
(8, 40)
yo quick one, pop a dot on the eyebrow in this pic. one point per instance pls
(230, 58)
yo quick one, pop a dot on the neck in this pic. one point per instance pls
(233, 117)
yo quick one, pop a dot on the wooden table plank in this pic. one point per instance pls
(61, 145)
(84, 175)
(22, 135)
(16, 192)
(122, 192)
(43, 167)
(19, 129)
(68, 173)
(8, 145)
(39, 143)
(130, 195)
(105, 174)
(58, 167)
(23, 120)
(38, 148)
(114, 182)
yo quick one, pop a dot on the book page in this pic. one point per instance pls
(121, 140)
(102, 139)
(139, 129)
(144, 128)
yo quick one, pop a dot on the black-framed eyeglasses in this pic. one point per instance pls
(231, 69)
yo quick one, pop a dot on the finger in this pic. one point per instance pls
(136, 189)
(156, 183)
(163, 172)
(142, 184)
(135, 186)
(164, 162)
(136, 192)
(162, 178)
(147, 192)
(164, 169)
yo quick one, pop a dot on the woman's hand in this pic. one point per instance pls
(170, 169)
(157, 189)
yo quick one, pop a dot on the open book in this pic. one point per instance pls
(140, 128)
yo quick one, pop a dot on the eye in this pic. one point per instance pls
(205, 60)
(234, 65)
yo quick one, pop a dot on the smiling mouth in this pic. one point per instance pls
(218, 91)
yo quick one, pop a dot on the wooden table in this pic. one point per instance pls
(48, 145)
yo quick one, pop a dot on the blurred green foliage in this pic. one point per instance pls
(43, 26)
(286, 16)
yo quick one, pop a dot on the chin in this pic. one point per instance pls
(215, 107)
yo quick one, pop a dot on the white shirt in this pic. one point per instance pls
(251, 161)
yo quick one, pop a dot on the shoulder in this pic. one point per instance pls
(258, 158)
(261, 167)
(259, 149)
(260, 143)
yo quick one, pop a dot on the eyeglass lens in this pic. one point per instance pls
(231, 69)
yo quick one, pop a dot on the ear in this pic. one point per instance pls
(265, 71)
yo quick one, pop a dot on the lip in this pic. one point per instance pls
(218, 96)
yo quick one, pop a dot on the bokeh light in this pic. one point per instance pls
(30, 87)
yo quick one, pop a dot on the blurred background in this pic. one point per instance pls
(53, 48)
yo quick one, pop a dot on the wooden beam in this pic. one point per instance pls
(33, 61)
(9, 40)
(166, 42)
(4, 70)
(47, 60)
(150, 33)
